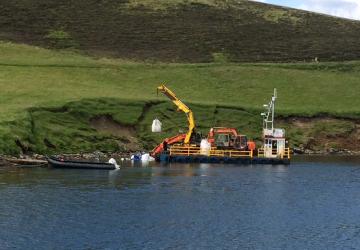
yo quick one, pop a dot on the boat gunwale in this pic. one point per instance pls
(55, 162)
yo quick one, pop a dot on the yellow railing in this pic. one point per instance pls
(184, 150)
(285, 154)
(195, 151)
(261, 152)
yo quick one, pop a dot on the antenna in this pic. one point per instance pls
(268, 121)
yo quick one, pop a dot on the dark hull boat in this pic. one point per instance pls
(61, 163)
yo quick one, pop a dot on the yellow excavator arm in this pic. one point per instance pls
(181, 106)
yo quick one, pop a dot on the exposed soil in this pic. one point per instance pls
(324, 134)
(55, 132)
(125, 134)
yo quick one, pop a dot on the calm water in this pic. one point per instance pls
(312, 204)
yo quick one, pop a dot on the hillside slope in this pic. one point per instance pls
(180, 31)
(55, 102)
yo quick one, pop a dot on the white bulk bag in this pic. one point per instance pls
(156, 126)
(205, 147)
(145, 157)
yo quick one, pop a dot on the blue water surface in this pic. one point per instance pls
(311, 204)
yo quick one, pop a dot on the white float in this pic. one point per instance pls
(113, 161)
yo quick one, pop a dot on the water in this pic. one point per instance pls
(312, 204)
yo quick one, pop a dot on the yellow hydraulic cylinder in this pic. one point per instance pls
(181, 106)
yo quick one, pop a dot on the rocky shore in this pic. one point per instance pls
(38, 160)
(330, 151)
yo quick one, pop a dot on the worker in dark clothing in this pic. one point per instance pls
(165, 146)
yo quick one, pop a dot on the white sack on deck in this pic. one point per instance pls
(205, 147)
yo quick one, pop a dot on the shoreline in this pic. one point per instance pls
(324, 152)
(38, 160)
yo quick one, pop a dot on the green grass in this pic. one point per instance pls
(52, 95)
(54, 78)
(47, 97)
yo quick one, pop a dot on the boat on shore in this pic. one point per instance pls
(56, 162)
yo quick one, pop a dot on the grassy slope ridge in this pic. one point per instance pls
(31, 77)
(48, 98)
(180, 31)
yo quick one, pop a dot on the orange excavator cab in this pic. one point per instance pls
(222, 137)
(229, 138)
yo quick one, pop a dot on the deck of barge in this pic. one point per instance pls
(167, 158)
(192, 154)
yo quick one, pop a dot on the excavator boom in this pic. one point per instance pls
(181, 106)
(167, 141)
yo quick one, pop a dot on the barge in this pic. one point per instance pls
(223, 144)
(184, 154)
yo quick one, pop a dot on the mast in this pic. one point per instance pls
(269, 115)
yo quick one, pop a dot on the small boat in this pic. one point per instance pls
(61, 163)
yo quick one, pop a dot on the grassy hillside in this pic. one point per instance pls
(180, 31)
(31, 77)
(50, 98)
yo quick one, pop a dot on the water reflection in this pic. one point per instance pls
(137, 174)
(306, 205)
(122, 178)
(126, 177)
